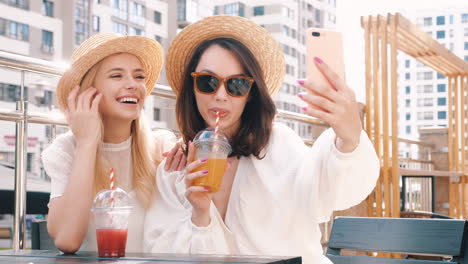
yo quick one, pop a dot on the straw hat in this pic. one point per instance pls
(99, 46)
(258, 40)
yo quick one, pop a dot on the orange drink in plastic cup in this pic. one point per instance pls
(215, 147)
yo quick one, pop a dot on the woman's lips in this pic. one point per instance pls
(222, 113)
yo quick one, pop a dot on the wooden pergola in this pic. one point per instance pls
(384, 37)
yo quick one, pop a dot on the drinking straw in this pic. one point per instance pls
(111, 179)
(111, 184)
(216, 125)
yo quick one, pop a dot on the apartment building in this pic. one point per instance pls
(423, 92)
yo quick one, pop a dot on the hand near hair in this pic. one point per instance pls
(175, 158)
(83, 115)
(336, 105)
(198, 196)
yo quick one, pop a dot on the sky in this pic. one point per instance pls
(348, 15)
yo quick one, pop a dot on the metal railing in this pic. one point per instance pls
(22, 117)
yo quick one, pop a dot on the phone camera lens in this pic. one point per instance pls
(316, 34)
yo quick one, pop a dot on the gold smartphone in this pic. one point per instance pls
(328, 46)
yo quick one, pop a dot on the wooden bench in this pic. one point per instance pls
(443, 238)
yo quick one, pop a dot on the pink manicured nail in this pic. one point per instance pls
(319, 60)
(204, 159)
(207, 187)
(304, 108)
(300, 95)
(300, 82)
(205, 171)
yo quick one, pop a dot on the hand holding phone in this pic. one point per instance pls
(328, 97)
(328, 46)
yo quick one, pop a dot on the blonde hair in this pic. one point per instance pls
(144, 162)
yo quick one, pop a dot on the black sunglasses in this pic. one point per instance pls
(235, 85)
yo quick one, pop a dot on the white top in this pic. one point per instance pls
(276, 203)
(57, 160)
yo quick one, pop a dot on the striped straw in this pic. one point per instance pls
(111, 179)
(216, 125)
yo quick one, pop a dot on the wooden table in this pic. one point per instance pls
(49, 257)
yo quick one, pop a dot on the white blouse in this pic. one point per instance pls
(57, 160)
(275, 205)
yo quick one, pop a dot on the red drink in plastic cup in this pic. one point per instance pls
(111, 242)
(111, 211)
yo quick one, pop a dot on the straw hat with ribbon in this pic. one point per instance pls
(99, 46)
(258, 40)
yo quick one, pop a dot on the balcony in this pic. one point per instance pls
(48, 49)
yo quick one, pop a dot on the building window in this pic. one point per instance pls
(408, 116)
(11, 92)
(14, 30)
(120, 9)
(425, 88)
(424, 75)
(157, 17)
(236, 9)
(119, 28)
(407, 76)
(464, 18)
(259, 10)
(136, 31)
(96, 23)
(408, 102)
(442, 115)
(441, 87)
(82, 21)
(466, 45)
(285, 49)
(425, 102)
(137, 13)
(48, 8)
(451, 19)
(441, 101)
(181, 10)
(440, 34)
(429, 115)
(407, 63)
(407, 90)
(23, 4)
(318, 15)
(428, 21)
(47, 45)
(466, 58)
(158, 38)
(156, 114)
(408, 129)
(440, 76)
(286, 30)
(465, 32)
(440, 20)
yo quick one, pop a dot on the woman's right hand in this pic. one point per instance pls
(83, 115)
(198, 196)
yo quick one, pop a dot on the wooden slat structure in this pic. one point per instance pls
(384, 37)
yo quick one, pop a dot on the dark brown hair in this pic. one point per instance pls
(257, 118)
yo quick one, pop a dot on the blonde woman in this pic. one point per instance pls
(102, 96)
